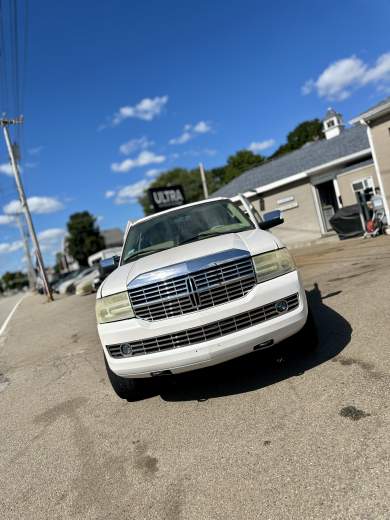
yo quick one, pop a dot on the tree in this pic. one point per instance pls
(237, 164)
(243, 160)
(303, 133)
(84, 237)
(58, 264)
(14, 281)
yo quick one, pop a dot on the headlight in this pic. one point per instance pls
(114, 308)
(273, 264)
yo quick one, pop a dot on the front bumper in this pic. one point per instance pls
(211, 352)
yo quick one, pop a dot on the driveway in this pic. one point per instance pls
(274, 435)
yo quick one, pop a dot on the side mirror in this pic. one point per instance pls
(108, 265)
(271, 219)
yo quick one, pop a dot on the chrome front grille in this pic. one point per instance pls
(196, 291)
(207, 332)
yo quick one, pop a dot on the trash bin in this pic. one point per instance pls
(347, 222)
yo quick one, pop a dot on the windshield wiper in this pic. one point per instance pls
(139, 254)
(201, 237)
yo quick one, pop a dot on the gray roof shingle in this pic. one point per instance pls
(351, 140)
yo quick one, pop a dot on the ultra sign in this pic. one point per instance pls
(166, 198)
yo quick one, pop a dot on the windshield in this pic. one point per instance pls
(189, 224)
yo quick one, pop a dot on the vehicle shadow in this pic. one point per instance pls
(261, 369)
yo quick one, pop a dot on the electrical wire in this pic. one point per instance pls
(13, 65)
(3, 62)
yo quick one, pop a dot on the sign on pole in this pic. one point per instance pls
(166, 198)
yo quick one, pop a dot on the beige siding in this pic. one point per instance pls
(345, 183)
(381, 142)
(301, 223)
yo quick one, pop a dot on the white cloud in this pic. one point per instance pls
(51, 234)
(202, 127)
(10, 247)
(183, 138)
(147, 109)
(134, 145)
(152, 173)
(191, 131)
(259, 146)
(144, 159)
(35, 151)
(109, 194)
(51, 239)
(6, 219)
(37, 205)
(129, 194)
(6, 168)
(197, 153)
(380, 72)
(342, 77)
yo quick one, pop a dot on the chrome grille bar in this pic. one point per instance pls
(199, 290)
(207, 332)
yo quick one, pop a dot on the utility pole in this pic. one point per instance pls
(30, 266)
(5, 123)
(204, 182)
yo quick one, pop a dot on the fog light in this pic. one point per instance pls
(281, 306)
(126, 349)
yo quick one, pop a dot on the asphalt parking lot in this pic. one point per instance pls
(274, 435)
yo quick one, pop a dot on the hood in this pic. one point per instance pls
(254, 241)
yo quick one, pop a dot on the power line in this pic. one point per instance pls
(3, 61)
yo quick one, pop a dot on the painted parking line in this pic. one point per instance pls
(8, 319)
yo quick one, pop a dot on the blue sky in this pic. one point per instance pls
(175, 83)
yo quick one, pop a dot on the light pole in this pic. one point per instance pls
(30, 266)
(4, 123)
(204, 182)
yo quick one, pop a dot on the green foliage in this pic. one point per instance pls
(84, 237)
(58, 264)
(303, 133)
(14, 281)
(191, 181)
(241, 161)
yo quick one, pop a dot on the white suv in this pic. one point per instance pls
(196, 286)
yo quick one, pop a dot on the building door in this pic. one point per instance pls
(328, 202)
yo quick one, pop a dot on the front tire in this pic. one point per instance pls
(123, 387)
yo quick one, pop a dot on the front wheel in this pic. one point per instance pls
(307, 338)
(123, 387)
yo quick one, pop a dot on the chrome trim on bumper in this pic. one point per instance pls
(206, 332)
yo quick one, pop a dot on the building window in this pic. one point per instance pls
(330, 123)
(363, 184)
